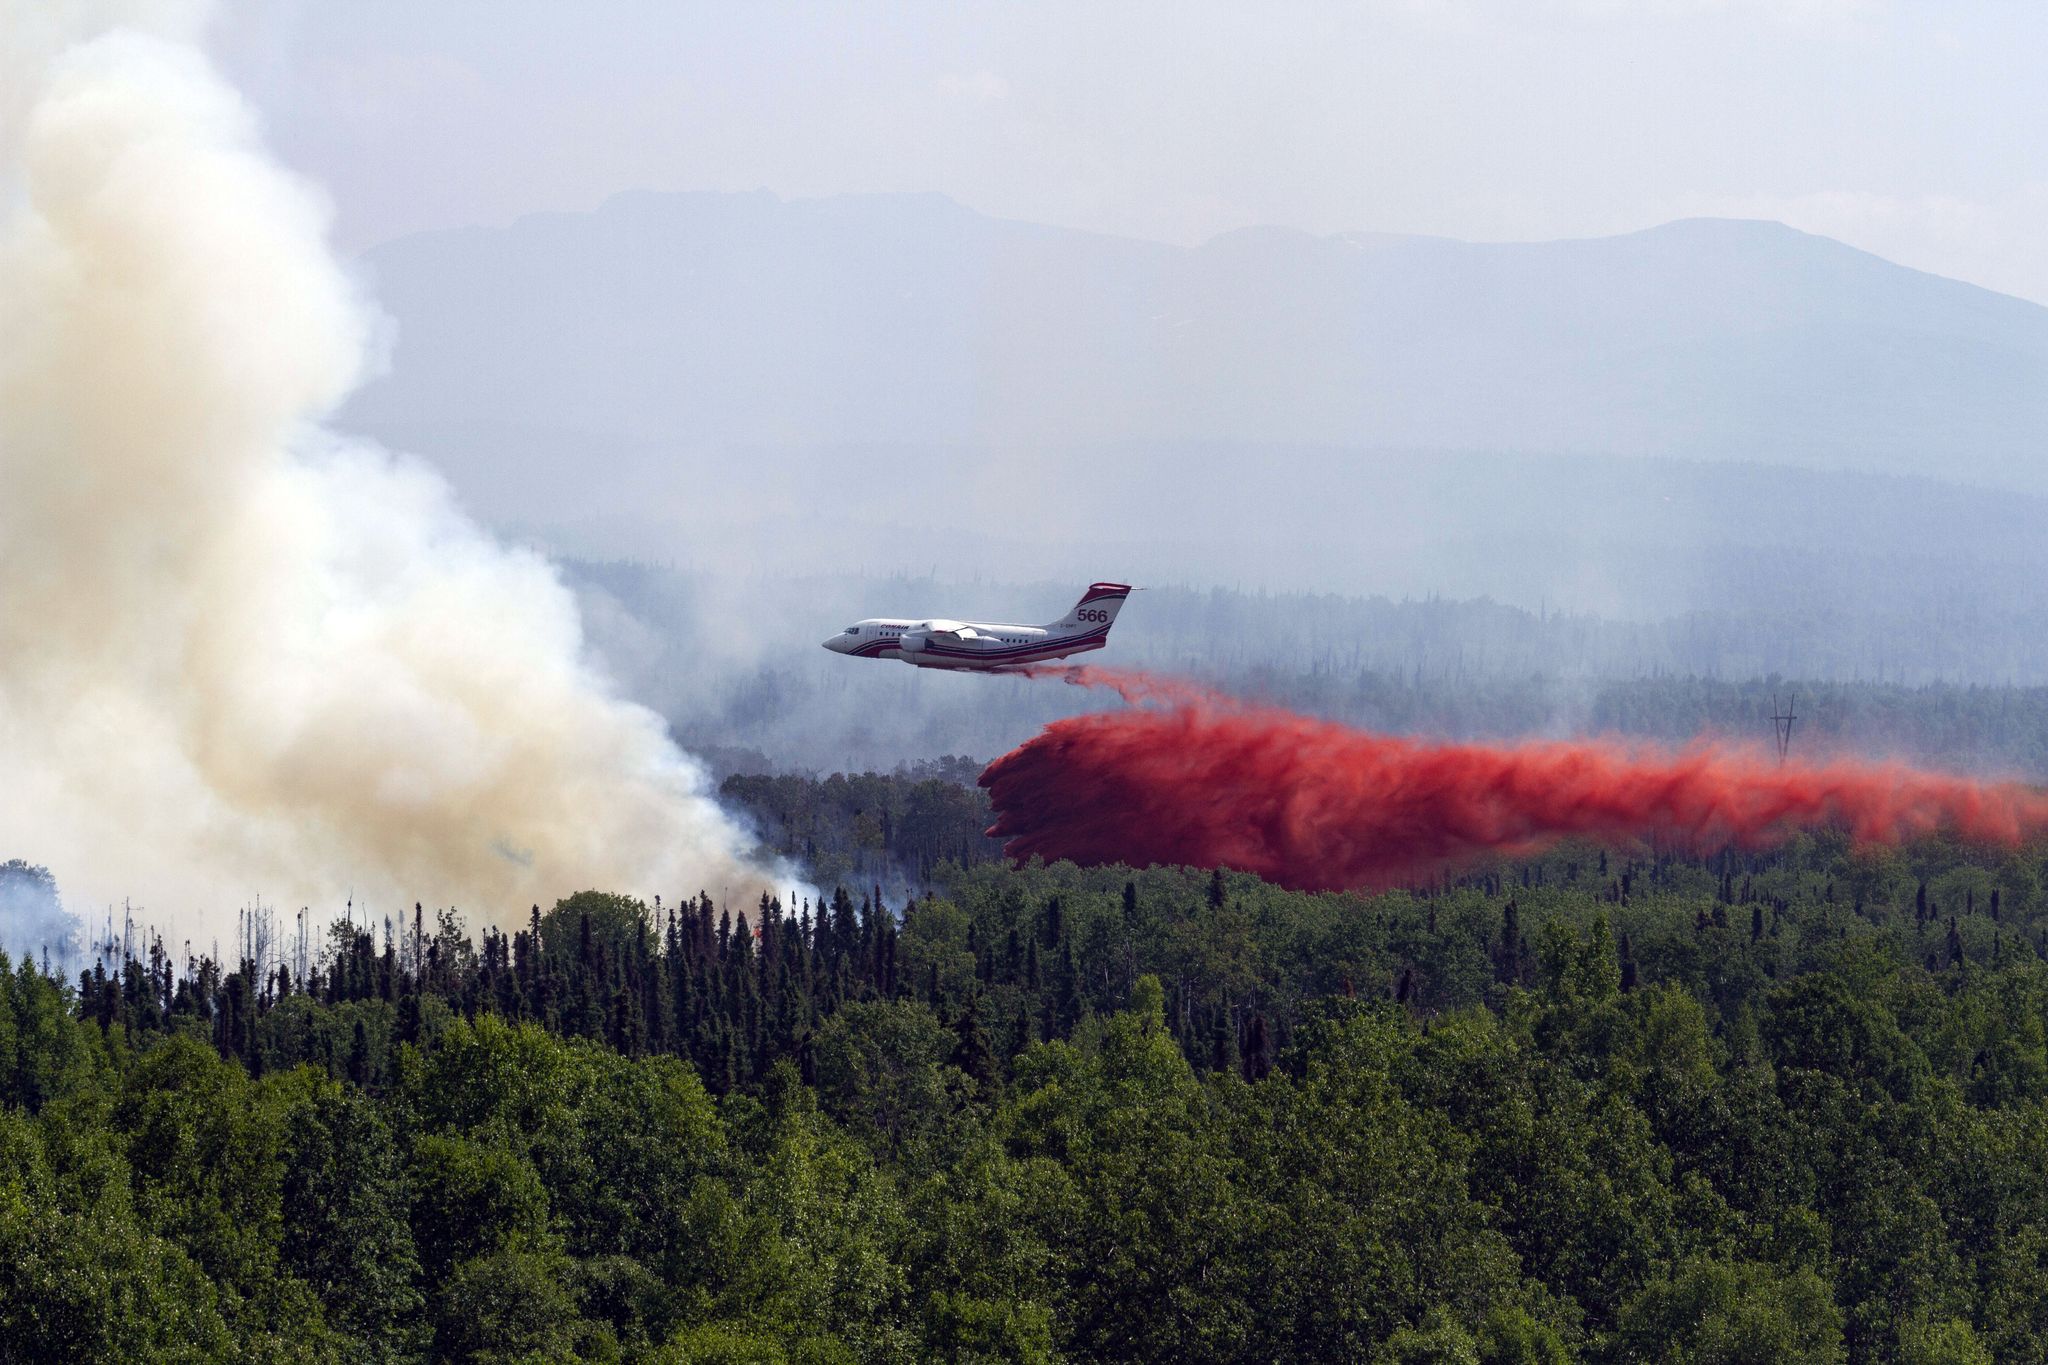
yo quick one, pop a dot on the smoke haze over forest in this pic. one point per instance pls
(1627, 481)
(1496, 479)
(240, 653)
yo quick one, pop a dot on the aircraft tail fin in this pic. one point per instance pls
(1096, 611)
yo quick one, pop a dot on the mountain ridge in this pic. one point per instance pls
(700, 318)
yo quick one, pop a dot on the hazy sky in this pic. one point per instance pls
(1914, 130)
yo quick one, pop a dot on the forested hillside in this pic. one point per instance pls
(1989, 731)
(1610, 1105)
(1952, 676)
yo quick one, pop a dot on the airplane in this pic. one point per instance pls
(983, 645)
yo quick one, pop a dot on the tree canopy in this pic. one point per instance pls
(1605, 1106)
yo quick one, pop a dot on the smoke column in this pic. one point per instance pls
(239, 654)
(1184, 776)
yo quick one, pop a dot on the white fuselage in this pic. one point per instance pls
(984, 644)
(956, 644)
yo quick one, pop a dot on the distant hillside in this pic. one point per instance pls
(664, 322)
(734, 664)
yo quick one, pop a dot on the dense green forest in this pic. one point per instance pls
(1608, 1105)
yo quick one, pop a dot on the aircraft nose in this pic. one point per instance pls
(835, 643)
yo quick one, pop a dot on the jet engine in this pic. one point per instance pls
(937, 644)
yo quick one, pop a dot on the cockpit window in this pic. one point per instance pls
(853, 630)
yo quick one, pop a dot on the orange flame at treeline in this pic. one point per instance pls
(1186, 776)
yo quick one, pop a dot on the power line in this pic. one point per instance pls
(1782, 720)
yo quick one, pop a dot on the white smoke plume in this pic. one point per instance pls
(240, 655)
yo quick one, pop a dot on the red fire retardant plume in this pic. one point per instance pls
(1184, 776)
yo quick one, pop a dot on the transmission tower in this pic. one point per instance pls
(1782, 720)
